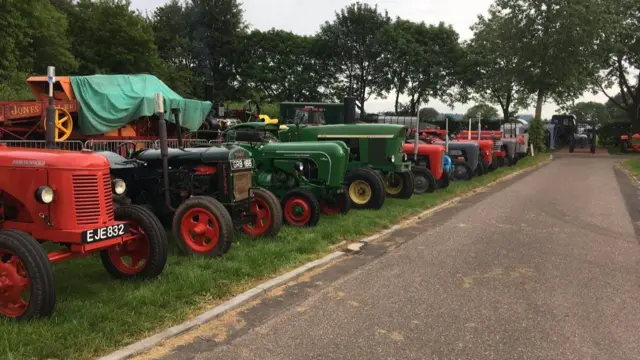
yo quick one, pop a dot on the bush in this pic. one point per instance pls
(15, 88)
(537, 135)
(609, 133)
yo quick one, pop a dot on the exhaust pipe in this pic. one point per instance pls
(349, 110)
(164, 149)
(50, 111)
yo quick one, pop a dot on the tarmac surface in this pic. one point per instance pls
(544, 266)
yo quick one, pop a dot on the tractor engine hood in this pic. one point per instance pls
(305, 149)
(348, 131)
(213, 154)
(51, 159)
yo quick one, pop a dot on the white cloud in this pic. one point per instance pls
(306, 16)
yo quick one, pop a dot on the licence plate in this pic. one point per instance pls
(105, 233)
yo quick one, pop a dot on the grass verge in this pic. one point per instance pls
(633, 165)
(96, 314)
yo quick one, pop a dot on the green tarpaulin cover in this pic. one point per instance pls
(109, 102)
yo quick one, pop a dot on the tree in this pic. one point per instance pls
(591, 112)
(559, 45)
(622, 54)
(281, 65)
(354, 49)
(423, 61)
(216, 26)
(494, 59)
(428, 115)
(108, 37)
(33, 36)
(486, 111)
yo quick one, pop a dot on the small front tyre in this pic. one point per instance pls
(27, 282)
(268, 214)
(400, 185)
(424, 180)
(142, 257)
(202, 226)
(300, 208)
(340, 205)
(462, 171)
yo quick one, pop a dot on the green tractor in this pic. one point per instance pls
(306, 177)
(377, 164)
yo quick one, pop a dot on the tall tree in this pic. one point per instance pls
(495, 60)
(428, 115)
(109, 37)
(591, 112)
(423, 61)
(216, 26)
(281, 65)
(559, 45)
(354, 48)
(486, 112)
(622, 64)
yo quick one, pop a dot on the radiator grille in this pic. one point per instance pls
(497, 145)
(241, 185)
(87, 191)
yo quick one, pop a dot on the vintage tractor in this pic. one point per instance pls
(427, 165)
(485, 155)
(630, 142)
(307, 177)
(206, 191)
(66, 198)
(504, 150)
(464, 155)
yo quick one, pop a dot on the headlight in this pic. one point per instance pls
(119, 186)
(392, 158)
(44, 194)
(299, 166)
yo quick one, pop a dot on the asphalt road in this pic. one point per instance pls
(545, 267)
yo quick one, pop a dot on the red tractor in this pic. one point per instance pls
(66, 198)
(427, 164)
(499, 148)
(486, 148)
(630, 143)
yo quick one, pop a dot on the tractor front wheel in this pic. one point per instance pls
(27, 283)
(494, 163)
(145, 255)
(266, 208)
(340, 205)
(366, 188)
(424, 180)
(202, 226)
(462, 171)
(443, 182)
(300, 208)
(400, 185)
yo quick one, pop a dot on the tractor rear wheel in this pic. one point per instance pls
(424, 180)
(495, 164)
(341, 205)
(202, 226)
(144, 256)
(400, 185)
(462, 171)
(365, 188)
(300, 208)
(266, 207)
(27, 282)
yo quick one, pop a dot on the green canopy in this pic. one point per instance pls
(109, 102)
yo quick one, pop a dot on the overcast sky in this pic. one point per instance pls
(305, 17)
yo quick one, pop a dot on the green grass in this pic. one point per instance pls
(96, 314)
(633, 165)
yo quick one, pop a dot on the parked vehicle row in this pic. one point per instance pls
(258, 176)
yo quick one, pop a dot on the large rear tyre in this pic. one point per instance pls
(27, 282)
(443, 182)
(424, 180)
(400, 185)
(340, 205)
(365, 188)
(462, 171)
(494, 164)
(202, 226)
(266, 207)
(300, 208)
(143, 257)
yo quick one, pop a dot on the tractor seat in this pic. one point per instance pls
(209, 154)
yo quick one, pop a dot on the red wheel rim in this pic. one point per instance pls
(263, 221)
(297, 211)
(199, 230)
(15, 285)
(332, 209)
(132, 256)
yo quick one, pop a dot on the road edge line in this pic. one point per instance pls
(237, 301)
